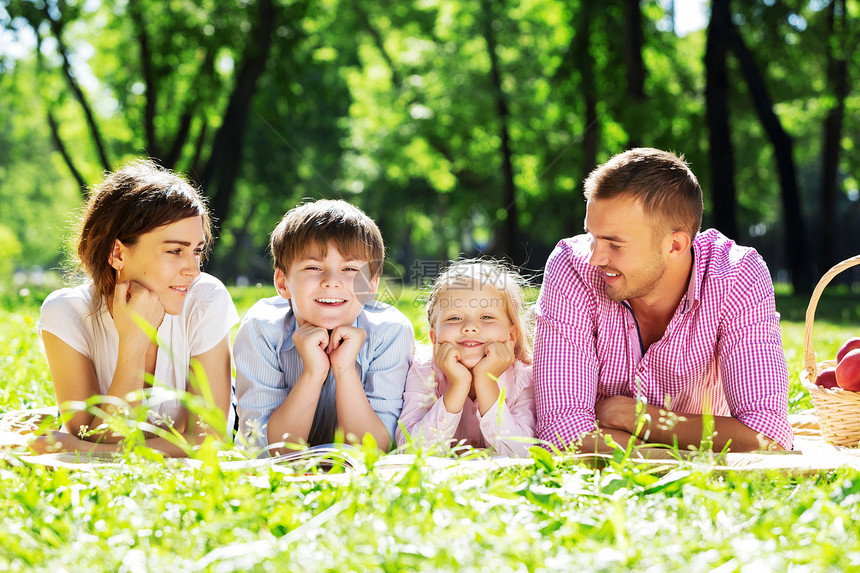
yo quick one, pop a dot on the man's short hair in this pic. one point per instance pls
(315, 224)
(661, 180)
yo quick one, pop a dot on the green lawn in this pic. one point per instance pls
(161, 516)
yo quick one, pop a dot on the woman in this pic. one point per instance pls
(143, 234)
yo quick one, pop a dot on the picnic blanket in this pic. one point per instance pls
(812, 454)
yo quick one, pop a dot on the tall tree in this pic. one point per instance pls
(635, 66)
(225, 159)
(721, 154)
(796, 246)
(838, 54)
(509, 236)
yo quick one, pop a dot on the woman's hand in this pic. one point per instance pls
(129, 299)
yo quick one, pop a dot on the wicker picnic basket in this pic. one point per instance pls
(838, 410)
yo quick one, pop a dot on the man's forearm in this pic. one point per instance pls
(595, 442)
(687, 431)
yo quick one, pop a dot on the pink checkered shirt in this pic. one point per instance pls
(722, 348)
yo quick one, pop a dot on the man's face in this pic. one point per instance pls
(625, 247)
(326, 290)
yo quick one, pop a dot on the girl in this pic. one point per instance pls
(475, 313)
(143, 234)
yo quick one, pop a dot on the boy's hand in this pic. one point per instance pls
(448, 359)
(130, 298)
(498, 357)
(344, 344)
(311, 342)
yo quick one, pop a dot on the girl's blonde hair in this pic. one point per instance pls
(506, 281)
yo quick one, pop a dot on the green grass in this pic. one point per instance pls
(154, 515)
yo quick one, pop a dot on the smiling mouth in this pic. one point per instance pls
(331, 301)
(181, 290)
(471, 343)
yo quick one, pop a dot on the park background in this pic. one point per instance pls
(460, 127)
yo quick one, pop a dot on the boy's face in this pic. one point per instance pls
(326, 290)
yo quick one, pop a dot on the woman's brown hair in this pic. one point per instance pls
(130, 202)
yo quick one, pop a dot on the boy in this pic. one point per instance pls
(322, 354)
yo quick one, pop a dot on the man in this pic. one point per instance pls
(645, 307)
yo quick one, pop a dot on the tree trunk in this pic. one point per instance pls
(591, 136)
(721, 154)
(837, 74)
(222, 168)
(153, 149)
(796, 251)
(64, 153)
(508, 244)
(633, 42)
(56, 25)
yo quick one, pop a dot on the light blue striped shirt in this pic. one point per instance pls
(268, 365)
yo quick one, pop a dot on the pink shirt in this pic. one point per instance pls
(722, 351)
(428, 422)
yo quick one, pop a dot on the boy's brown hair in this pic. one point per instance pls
(354, 234)
(661, 180)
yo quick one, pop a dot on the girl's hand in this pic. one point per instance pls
(131, 298)
(448, 359)
(311, 342)
(498, 357)
(343, 346)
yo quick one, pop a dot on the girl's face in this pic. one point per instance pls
(471, 315)
(165, 261)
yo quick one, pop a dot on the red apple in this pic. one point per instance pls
(850, 344)
(848, 371)
(827, 378)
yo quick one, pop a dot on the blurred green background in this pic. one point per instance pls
(459, 126)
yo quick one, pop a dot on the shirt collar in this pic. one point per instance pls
(694, 289)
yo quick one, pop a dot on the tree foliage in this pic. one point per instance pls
(458, 126)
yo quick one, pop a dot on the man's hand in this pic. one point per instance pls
(343, 347)
(311, 342)
(616, 413)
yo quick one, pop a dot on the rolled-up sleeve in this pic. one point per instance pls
(751, 357)
(565, 360)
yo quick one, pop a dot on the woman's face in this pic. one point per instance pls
(165, 261)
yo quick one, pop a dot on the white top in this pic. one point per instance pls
(205, 319)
